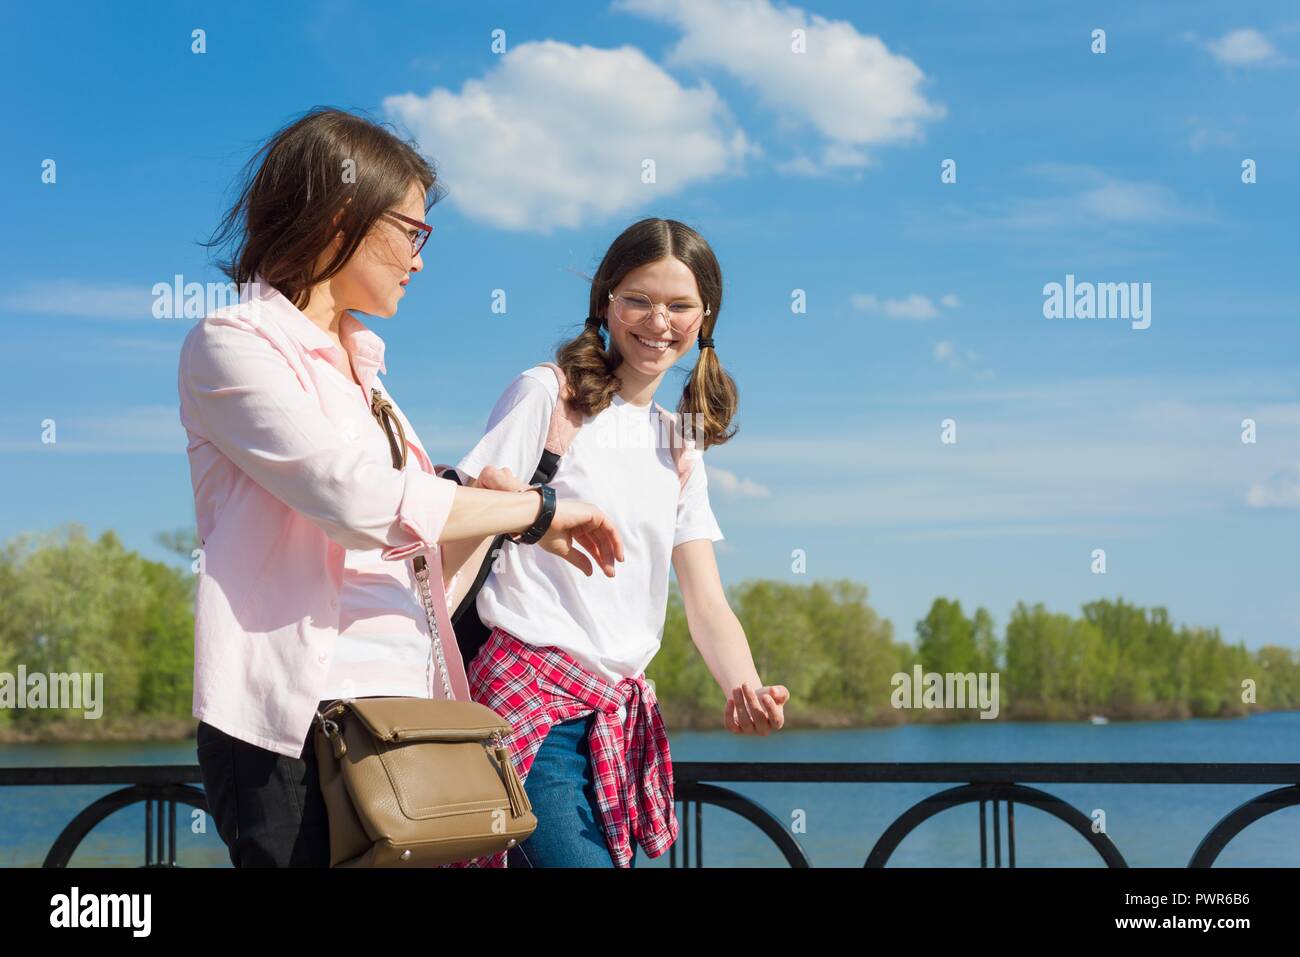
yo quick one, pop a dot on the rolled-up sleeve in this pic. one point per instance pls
(239, 391)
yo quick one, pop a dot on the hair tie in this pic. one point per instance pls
(595, 321)
(706, 342)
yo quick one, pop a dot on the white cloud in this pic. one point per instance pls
(848, 86)
(834, 156)
(1128, 202)
(914, 306)
(1082, 198)
(1205, 136)
(945, 351)
(1245, 47)
(144, 428)
(555, 135)
(732, 486)
(1109, 199)
(1031, 455)
(132, 351)
(82, 300)
(1282, 491)
(948, 353)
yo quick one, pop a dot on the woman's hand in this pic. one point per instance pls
(574, 523)
(579, 523)
(756, 713)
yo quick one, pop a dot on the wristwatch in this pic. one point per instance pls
(535, 531)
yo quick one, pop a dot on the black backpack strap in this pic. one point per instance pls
(544, 472)
(471, 633)
(546, 468)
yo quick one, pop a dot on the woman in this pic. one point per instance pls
(566, 657)
(305, 592)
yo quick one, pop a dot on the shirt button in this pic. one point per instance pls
(322, 658)
(336, 549)
(334, 603)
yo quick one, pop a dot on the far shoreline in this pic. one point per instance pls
(179, 730)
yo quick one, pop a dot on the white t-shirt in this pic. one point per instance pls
(619, 463)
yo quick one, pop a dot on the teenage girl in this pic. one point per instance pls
(567, 654)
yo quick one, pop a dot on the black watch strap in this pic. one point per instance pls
(535, 531)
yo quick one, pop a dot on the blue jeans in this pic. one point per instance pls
(561, 787)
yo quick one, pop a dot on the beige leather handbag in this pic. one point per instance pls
(417, 782)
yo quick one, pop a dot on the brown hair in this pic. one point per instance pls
(297, 183)
(709, 396)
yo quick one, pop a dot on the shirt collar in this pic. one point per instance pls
(363, 346)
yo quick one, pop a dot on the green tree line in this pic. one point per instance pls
(838, 658)
(72, 603)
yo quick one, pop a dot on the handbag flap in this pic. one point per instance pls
(427, 719)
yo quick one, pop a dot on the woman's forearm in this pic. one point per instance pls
(480, 512)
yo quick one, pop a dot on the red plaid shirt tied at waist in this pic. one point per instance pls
(534, 688)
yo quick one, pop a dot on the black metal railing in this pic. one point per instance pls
(1002, 785)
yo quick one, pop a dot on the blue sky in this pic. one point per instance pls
(816, 171)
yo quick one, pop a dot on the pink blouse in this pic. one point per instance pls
(384, 647)
(290, 471)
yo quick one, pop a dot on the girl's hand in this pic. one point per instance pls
(756, 713)
(579, 523)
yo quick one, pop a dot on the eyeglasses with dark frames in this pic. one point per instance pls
(422, 234)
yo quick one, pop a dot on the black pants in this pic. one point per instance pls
(267, 808)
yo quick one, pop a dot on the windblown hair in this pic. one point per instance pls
(326, 164)
(709, 396)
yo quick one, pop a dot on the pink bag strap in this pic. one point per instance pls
(565, 419)
(678, 443)
(564, 424)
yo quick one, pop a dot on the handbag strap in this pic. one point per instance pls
(381, 407)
